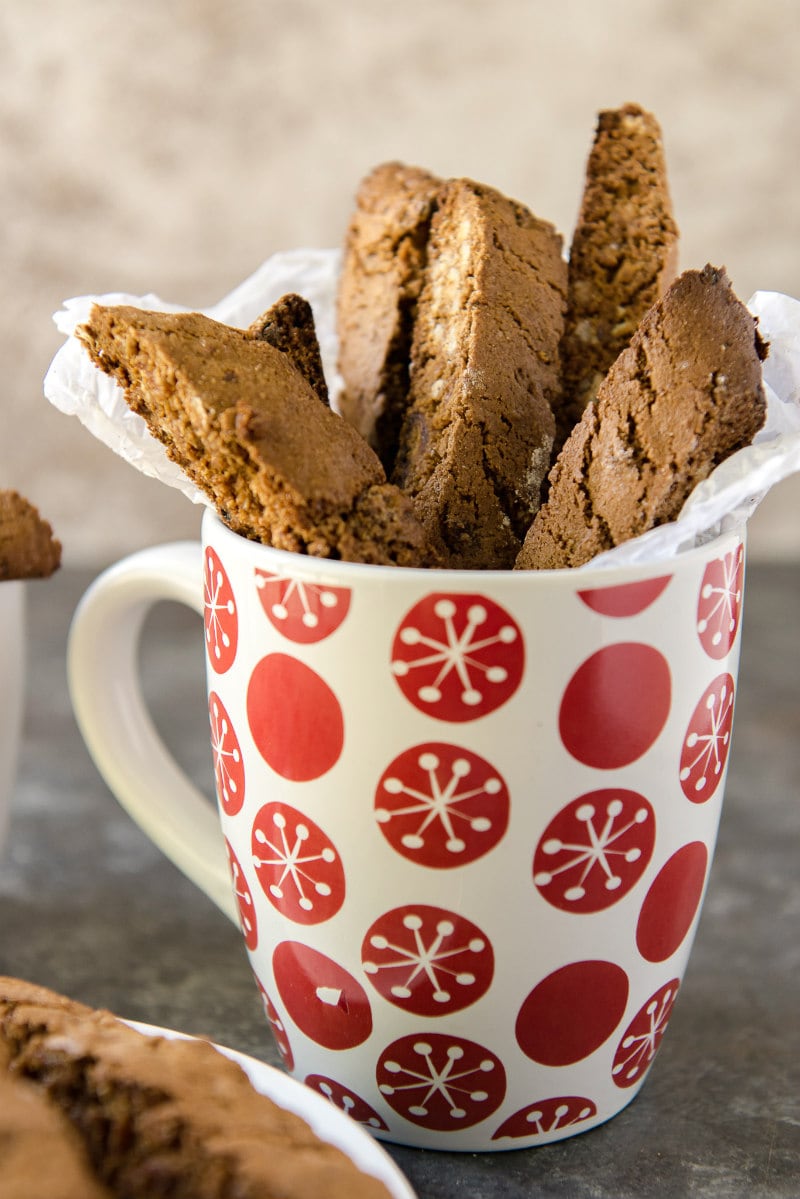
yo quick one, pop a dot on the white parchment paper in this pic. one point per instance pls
(727, 498)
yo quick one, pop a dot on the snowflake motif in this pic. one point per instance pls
(438, 808)
(306, 594)
(708, 748)
(546, 1116)
(638, 1047)
(596, 851)
(721, 601)
(288, 855)
(218, 610)
(458, 656)
(352, 1105)
(452, 1086)
(429, 959)
(244, 899)
(227, 758)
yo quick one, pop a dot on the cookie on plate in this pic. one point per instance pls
(165, 1117)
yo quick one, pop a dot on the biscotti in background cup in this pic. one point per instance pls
(27, 550)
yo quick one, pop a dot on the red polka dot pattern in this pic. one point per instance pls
(295, 718)
(469, 832)
(671, 902)
(615, 705)
(594, 993)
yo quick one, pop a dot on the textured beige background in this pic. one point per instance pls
(171, 147)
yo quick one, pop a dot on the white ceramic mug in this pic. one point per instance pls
(468, 816)
(12, 673)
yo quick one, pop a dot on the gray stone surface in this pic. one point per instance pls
(89, 907)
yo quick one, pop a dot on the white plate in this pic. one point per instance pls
(328, 1122)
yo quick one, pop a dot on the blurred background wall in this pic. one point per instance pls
(173, 147)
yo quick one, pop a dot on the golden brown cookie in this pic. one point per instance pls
(623, 254)
(28, 549)
(166, 1117)
(475, 444)
(289, 326)
(247, 428)
(384, 258)
(684, 395)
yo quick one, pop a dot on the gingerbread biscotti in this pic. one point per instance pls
(623, 255)
(476, 439)
(679, 400)
(245, 425)
(289, 326)
(165, 1117)
(41, 1154)
(28, 548)
(383, 263)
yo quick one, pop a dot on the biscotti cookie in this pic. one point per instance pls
(166, 1117)
(41, 1155)
(28, 549)
(384, 258)
(247, 428)
(289, 326)
(475, 444)
(623, 254)
(684, 395)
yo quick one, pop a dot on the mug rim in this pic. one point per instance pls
(595, 576)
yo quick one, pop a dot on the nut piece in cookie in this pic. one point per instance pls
(247, 428)
(685, 395)
(476, 441)
(623, 254)
(384, 259)
(289, 326)
(28, 549)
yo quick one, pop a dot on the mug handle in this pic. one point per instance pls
(104, 684)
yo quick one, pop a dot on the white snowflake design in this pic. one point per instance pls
(641, 1047)
(305, 592)
(711, 746)
(288, 856)
(455, 653)
(537, 1118)
(425, 959)
(347, 1104)
(596, 851)
(220, 730)
(243, 896)
(726, 599)
(432, 1081)
(439, 806)
(216, 612)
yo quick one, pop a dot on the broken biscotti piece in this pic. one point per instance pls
(164, 1117)
(476, 440)
(28, 1123)
(289, 326)
(623, 254)
(247, 428)
(382, 269)
(685, 395)
(28, 549)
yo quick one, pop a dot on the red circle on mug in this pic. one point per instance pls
(615, 705)
(571, 1012)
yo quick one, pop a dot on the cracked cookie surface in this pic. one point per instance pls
(685, 395)
(476, 440)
